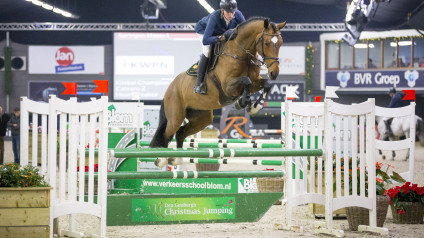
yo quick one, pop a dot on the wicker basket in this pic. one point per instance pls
(360, 216)
(270, 185)
(413, 215)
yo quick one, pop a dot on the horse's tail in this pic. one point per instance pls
(159, 137)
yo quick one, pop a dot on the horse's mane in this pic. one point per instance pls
(252, 19)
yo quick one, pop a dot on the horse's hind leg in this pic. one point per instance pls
(197, 121)
(175, 117)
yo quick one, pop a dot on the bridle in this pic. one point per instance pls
(253, 59)
(261, 38)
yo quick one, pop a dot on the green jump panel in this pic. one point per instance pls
(161, 209)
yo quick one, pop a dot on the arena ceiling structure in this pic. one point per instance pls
(391, 14)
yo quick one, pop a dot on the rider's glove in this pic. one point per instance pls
(229, 35)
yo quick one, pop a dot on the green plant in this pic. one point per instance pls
(383, 179)
(405, 193)
(14, 175)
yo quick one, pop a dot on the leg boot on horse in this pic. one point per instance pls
(201, 69)
(388, 123)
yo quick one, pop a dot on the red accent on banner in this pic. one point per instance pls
(291, 98)
(410, 94)
(70, 88)
(318, 98)
(102, 86)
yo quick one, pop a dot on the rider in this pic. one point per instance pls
(210, 28)
(396, 101)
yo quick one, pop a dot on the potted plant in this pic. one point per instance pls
(407, 203)
(24, 202)
(360, 216)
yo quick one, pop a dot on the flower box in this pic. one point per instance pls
(25, 212)
(413, 215)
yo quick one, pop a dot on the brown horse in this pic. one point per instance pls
(234, 78)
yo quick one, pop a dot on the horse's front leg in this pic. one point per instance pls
(244, 100)
(259, 104)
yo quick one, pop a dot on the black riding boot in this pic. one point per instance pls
(201, 70)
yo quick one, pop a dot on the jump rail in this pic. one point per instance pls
(192, 174)
(219, 145)
(254, 141)
(224, 161)
(210, 153)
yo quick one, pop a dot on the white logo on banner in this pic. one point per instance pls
(343, 77)
(145, 65)
(411, 77)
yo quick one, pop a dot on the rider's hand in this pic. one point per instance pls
(229, 35)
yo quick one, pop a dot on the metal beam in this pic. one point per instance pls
(158, 27)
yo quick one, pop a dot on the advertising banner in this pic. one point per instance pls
(66, 60)
(125, 115)
(209, 186)
(375, 79)
(292, 60)
(169, 209)
(40, 91)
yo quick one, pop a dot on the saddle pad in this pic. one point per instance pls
(192, 71)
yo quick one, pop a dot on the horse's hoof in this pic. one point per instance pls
(393, 158)
(161, 162)
(175, 161)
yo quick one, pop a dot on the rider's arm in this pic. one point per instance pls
(208, 37)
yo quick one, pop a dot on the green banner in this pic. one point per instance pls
(189, 209)
(186, 186)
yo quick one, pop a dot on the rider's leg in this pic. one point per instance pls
(201, 70)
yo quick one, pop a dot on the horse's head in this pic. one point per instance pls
(268, 45)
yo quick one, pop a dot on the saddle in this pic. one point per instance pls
(213, 59)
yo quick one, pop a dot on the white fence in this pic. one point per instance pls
(408, 142)
(77, 124)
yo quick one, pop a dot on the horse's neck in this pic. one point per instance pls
(246, 38)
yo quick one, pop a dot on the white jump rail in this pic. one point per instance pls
(36, 109)
(67, 196)
(407, 143)
(306, 120)
(359, 119)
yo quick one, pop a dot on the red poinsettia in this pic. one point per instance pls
(405, 193)
(96, 168)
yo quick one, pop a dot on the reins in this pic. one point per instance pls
(253, 59)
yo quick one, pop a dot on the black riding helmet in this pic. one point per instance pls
(392, 90)
(228, 5)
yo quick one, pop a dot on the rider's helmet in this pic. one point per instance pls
(228, 5)
(392, 90)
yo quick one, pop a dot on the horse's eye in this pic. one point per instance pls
(266, 44)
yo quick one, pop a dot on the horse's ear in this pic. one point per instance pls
(266, 23)
(281, 25)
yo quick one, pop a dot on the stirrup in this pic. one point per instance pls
(200, 89)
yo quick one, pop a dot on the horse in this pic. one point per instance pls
(400, 127)
(235, 77)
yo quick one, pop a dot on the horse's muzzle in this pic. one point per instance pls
(273, 75)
